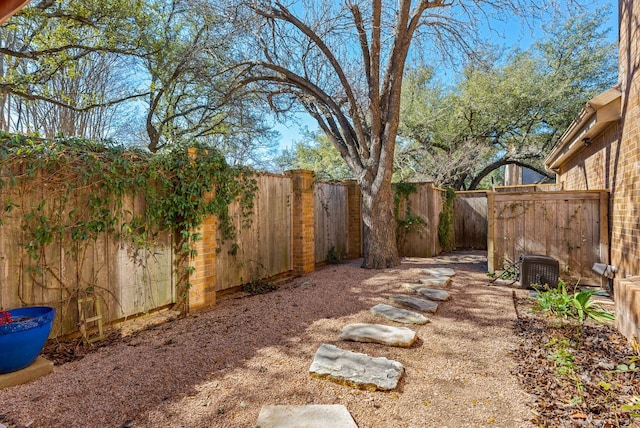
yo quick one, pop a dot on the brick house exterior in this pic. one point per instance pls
(601, 150)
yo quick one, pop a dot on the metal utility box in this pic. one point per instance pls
(538, 269)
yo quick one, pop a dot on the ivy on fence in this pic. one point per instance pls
(83, 185)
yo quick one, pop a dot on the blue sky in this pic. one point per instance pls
(516, 35)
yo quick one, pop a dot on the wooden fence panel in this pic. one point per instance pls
(127, 284)
(263, 249)
(564, 225)
(421, 240)
(470, 220)
(331, 220)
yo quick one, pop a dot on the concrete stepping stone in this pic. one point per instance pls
(377, 333)
(355, 369)
(311, 416)
(431, 293)
(399, 315)
(415, 303)
(439, 271)
(436, 281)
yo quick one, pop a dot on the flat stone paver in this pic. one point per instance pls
(311, 416)
(355, 369)
(431, 293)
(378, 333)
(439, 271)
(415, 303)
(436, 281)
(399, 315)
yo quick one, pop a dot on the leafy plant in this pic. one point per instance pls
(629, 366)
(633, 407)
(407, 221)
(445, 225)
(564, 363)
(333, 256)
(578, 305)
(562, 357)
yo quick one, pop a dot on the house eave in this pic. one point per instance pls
(599, 112)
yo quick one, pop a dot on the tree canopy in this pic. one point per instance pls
(134, 70)
(508, 109)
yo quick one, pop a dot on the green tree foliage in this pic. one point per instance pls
(76, 67)
(318, 155)
(507, 109)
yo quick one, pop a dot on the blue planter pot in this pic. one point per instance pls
(22, 340)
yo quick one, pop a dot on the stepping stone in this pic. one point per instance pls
(399, 315)
(436, 281)
(439, 271)
(355, 369)
(311, 416)
(415, 303)
(431, 293)
(377, 333)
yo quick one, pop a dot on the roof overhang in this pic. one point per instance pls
(596, 115)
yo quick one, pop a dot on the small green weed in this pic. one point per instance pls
(333, 256)
(562, 357)
(633, 407)
(257, 287)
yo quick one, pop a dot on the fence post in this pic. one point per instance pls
(354, 219)
(202, 293)
(303, 221)
(491, 226)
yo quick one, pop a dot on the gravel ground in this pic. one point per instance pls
(218, 368)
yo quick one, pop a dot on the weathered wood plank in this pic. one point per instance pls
(470, 220)
(331, 220)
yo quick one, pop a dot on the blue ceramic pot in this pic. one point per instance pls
(22, 340)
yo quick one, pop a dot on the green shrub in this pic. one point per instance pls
(578, 305)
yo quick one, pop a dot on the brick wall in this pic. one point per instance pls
(612, 161)
(593, 167)
(625, 187)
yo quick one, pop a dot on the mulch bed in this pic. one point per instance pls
(578, 376)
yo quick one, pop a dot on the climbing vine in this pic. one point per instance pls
(445, 225)
(406, 221)
(80, 186)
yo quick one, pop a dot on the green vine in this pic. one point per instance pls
(406, 222)
(445, 225)
(82, 185)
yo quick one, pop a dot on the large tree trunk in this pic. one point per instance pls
(379, 224)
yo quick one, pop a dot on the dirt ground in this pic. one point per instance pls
(218, 368)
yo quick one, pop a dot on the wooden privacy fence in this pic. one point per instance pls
(124, 281)
(570, 226)
(263, 249)
(470, 220)
(420, 238)
(296, 224)
(331, 215)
